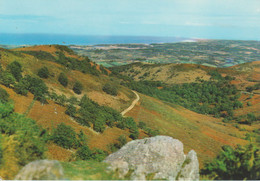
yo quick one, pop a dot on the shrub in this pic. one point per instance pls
(22, 87)
(43, 72)
(65, 136)
(141, 125)
(98, 154)
(99, 125)
(7, 79)
(29, 148)
(1, 149)
(71, 110)
(3, 95)
(63, 79)
(121, 141)
(109, 89)
(78, 87)
(36, 86)
(134, 135)
(84, 153)
(241, 163)
(15, 68)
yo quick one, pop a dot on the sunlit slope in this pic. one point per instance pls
(202, 133)
(92, 85)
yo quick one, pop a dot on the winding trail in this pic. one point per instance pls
(132, 105)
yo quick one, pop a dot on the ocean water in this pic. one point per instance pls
(41, 39)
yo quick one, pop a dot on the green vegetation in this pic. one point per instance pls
(65, 136)
(7, 78)
(3, 95)
(241, 163)
(1, 148)
(34, 85)
(78, 87)
(63, 79)
(110, 89)
(85, 153)
(15, 68)
(252, 88)
(217, 96)
(43, 72)
(30, 138)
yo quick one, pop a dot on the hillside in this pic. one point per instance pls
(205, 134)
(41, 82)
(247, 74)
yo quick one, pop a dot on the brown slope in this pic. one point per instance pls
(202, 133)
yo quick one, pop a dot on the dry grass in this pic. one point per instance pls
(202, 133)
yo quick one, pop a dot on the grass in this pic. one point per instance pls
(86, 170)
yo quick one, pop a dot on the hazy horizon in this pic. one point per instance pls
(203, 19)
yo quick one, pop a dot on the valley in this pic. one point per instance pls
(188, 91)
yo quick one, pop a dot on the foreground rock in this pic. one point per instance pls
(41, 170)
(159, 157)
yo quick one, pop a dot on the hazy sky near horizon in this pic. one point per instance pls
(217, 19)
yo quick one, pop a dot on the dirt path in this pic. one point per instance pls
(132, 105)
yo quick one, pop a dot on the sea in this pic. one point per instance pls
(42, 39)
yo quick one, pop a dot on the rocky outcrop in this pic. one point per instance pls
(159, 157)
(41, 170)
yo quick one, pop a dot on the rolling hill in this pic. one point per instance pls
(203, 133)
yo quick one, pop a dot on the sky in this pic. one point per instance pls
(212, 19)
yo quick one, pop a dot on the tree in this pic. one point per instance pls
(99, 125)
(43, 72)
(36, 86)
(65, 136)
(84, 153)
(15, 68)
(63, 79)
(3, 95)
(7, 79)
(22, 87)
(110, 89)
(71, 110)
(78, 87)
(241, 163)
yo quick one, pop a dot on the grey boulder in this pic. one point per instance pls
(159, 157)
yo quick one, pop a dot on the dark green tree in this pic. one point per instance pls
(63, 79)
(15, 68)
(65, 136)
(110, 89)
(43, 72)
(71, 110)
(241, 163)
(78, 87)
(7, 79)
(4, 96)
